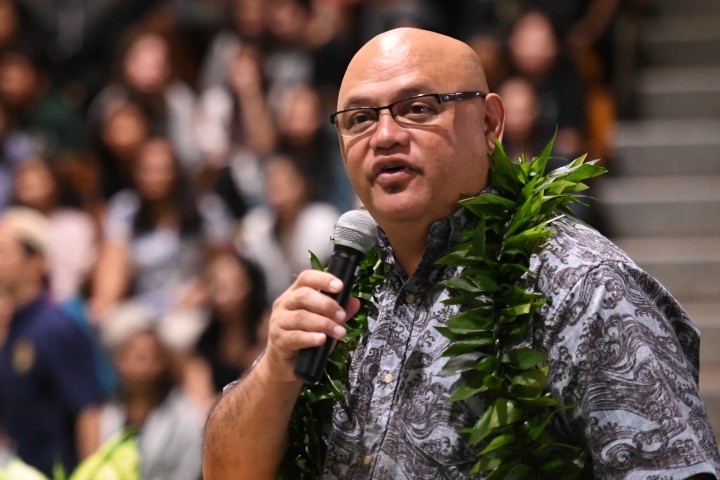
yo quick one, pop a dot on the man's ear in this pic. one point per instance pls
(494, 120)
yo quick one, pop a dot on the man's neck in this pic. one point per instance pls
(25, 294)
(409, 243)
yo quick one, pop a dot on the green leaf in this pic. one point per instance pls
(519, 472)
(487, 199)
(529, 383)
(516, 310)
(535, 426)
(499, 441)
(505, 412)
(461, 363)
(465, 392)
(527, 236)
(502, 472)
(464, 346)
(485, 464)
(486, 364)
(523, 358)
(482, 427)
(540, 402)
(315, 262)
(463, 284)
(478, 319)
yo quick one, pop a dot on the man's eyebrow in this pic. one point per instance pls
(406, 92)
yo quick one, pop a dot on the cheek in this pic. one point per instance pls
(353, 161)
(463, 172)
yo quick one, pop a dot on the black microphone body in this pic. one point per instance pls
(310, 362)
(355, 234)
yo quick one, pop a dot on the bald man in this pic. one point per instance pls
(416, 125)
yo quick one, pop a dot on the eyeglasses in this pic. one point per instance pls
(418, 110)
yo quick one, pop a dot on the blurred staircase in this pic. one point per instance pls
(661, 200)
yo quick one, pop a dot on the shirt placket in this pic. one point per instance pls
(388, 381)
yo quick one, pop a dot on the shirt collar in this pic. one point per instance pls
(442, 236)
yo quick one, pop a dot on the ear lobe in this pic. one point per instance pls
(494, 120)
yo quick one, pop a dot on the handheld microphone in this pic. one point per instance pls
(355, 234)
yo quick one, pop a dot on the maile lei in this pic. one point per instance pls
(496, 310)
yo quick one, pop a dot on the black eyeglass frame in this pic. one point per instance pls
(440, 97)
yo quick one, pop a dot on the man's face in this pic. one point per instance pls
(405, 175)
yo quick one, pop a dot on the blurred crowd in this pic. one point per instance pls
(167, 165)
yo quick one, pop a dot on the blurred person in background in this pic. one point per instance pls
(34, 107)
(72, 235)
(155, 235)
(41, 119)
(246, 26)
(11, 467)
(146, 77)
(120, 133)
(522, 108)
(303, 136)
(150, 408)
(235, 333)
(10, 24)
(235, 129)
(536, 54)
(48, 387)
(289, 55)
(378, 16)
(7, 166)
(72, 245)
(76, 38)
(279, 234)
(490, 48)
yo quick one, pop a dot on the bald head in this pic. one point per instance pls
(442, 60)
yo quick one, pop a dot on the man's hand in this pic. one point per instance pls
(302, 317)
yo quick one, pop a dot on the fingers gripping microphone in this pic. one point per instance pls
(355, 234)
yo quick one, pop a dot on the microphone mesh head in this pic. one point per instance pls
(356, 229)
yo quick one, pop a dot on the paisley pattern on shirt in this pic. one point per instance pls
(620, 348)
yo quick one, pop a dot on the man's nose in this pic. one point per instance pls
(388, 131)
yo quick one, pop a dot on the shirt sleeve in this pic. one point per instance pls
(625, 354)
(71, 365)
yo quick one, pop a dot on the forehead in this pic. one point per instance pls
(397, 67)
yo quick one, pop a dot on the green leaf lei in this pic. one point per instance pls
(486, 336)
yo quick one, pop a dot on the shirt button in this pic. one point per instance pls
(388, 378)
(367, 459)
(410, 298)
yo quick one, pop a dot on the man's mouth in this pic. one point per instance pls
(391, 169)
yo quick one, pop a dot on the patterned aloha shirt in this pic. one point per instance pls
(620, 347)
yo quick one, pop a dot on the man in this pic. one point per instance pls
(48, 387)
(410, 170)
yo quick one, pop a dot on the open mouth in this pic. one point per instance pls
(393, 168)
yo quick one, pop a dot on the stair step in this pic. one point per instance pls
(666, 147)
(660, 205)
(679, 92)
(675, 40)
(689, 267)
(706, 317)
